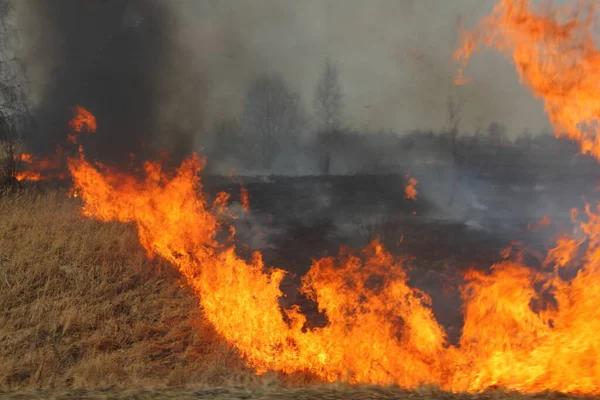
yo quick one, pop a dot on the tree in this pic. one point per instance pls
(329, 110)
(454, 117)
(273, 114)
(497, 134)
(14, 111)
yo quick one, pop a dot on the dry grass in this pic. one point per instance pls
(328, 392)
(82, 307)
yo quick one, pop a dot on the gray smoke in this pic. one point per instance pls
(118, 59)
(161, 73)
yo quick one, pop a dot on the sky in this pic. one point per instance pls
(394, 56)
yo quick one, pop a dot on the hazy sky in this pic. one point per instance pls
(395, 58)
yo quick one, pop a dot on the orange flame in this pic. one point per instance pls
(244, 198)
(410, 191)
(554, 52)
(28, 176)
(41, 168)
(514, 335)
(26, 158)
(524, 330)
(241, 299)
(383, 334)
(82, 120)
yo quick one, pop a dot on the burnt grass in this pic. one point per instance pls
(82, 306)
(312, 217)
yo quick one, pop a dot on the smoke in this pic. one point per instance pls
(159, 74)
(116, 58)
(395, 59)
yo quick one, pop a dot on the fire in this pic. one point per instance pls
(28, 176)
(555, 54)
(245, 199)
(514, 335)
(410, 191)
(51, 167)
(367, 325)
(41, 168)
(524, 329)
(82, 120)
(384, 334)
(26, 158)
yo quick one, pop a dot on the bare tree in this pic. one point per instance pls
(14, 112)
(454, 117)
(328, 109)
(273, 114)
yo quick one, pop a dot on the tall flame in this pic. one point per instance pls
(82, 120)
(410, 190)
(366, 326)
(41, 168)
(525, 330)
(555, 54)
(245, 199)
(515, 335)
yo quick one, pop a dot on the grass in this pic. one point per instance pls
(84, 314)
(327, 392)
(81, 306)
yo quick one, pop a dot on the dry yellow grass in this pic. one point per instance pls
(328, 392)
(82, 307)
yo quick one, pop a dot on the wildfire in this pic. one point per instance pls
(555, 54)
(28, 176)
(241, 299)
(410, 191)
(552, 346)
(41, 168)
(82, 120)
(51, 167)
(524, 330)
(245, 199)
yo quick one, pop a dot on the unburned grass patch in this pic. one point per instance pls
(81, 306)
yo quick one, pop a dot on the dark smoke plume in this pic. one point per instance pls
(112, 57)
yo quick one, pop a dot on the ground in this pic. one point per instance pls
(331, 392)
(82, 308)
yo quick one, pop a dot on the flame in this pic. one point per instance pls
(366, 325)
(515, 335)
(410, 191)
(524, 329)
(245, 199)
(26, 158)
(28, 176)
(41, 168)
(82, 120)
(555, 55)
(376, 333)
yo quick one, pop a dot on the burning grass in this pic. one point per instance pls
(82, 306)
(329, 392)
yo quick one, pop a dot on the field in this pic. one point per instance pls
(329, 392)
(85, 314)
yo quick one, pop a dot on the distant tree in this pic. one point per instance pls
(329, 110)
(15, 117)
(454, 117)
(227, 137)
(525, 140)
(273, 114)
(497, 134)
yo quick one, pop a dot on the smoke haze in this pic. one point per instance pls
(160, 73)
